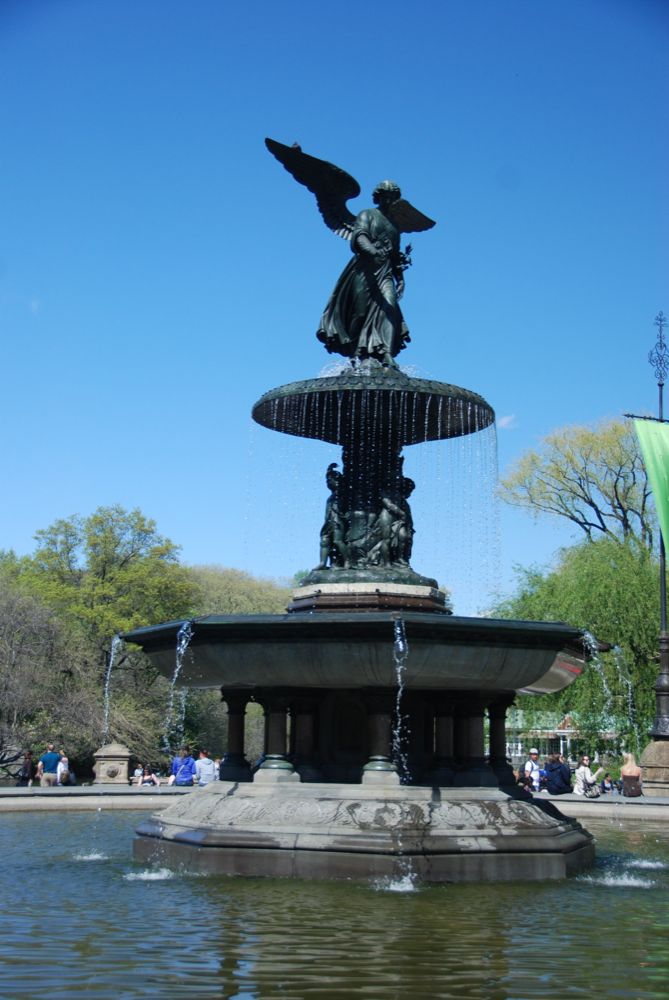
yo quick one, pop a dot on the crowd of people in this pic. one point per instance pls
(556, 777)
(184, 770)
(51, 769)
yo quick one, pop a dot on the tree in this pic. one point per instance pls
(45, 694)
(107, 573)
(593, 477)
(609, 588)
(232, 592)
(101, 575)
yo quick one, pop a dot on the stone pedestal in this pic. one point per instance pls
(365, 832)
(111, 764)
(655, 764)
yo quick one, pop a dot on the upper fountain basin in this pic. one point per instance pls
(372, 398)
(355, 650)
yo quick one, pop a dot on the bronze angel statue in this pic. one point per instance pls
(363, 318)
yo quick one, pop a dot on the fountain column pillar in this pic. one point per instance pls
(234, 765)
(443, 769)
(304, 734)
(275, 765)
(472, 767)
(498, 760)
(380, 768)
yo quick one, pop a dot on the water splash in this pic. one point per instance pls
(618, 881)
(160, 875)
(116, 644)
(405, 883)
(91, 856)
(173, 727)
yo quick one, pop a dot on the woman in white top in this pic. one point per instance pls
(584, 778)
(63, 776)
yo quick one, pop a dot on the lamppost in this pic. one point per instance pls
(655, 758)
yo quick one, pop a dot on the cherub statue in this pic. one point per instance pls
(363, 318)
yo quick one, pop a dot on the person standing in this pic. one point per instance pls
(533, 771)
(47, 767)
(24, 778)
(205, 769)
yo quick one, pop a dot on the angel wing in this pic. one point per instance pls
(332, 186)
(408, 219)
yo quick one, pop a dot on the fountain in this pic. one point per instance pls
(375, 695)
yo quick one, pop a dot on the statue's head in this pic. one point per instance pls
(386, 191)
(332, 477)
(408, 486)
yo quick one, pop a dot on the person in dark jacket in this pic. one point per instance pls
(558, 776)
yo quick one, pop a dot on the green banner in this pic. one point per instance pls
(654, 440)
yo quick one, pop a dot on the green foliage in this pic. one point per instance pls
(108, 573)
(89, 579)
(612, 590)
(46, 693)
(593, 477)
(223, 591)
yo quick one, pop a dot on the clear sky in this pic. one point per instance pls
(159, 270)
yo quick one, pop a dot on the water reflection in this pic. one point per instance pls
(85, 921)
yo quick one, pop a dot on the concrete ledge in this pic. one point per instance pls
(87, 797)
(609, 807)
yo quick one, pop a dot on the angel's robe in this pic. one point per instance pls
(363, 318)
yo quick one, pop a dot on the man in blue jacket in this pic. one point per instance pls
(183, 768)
(47, 766)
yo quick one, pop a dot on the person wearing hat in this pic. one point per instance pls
(532, 770)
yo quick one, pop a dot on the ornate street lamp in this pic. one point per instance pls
(655, 758)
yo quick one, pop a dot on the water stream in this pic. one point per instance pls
(116, 645)
(173, 728)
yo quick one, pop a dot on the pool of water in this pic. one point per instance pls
(80, 918)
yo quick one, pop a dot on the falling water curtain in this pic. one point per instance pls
(654, 440)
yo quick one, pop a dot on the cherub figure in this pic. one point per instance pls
(363, 318)
(333, 545)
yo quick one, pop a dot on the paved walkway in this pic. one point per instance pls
(149, 800)
(646, 807)
(87, 797)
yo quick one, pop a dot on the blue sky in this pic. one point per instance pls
(159, 271)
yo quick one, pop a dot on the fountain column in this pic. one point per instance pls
(472, 768)
(499, 763)
(275, 765)
(234, 765)
(380, 768)
(443, 769)
(303, 712)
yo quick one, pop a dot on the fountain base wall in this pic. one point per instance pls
(361, 832)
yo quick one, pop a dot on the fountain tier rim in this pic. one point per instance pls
(354, 650)
(334, 408)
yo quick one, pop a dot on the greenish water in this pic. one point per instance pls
(80, 918)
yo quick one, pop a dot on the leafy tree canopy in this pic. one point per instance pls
(232, 592)
(109, 572)
(610, 589)
(593, 477)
